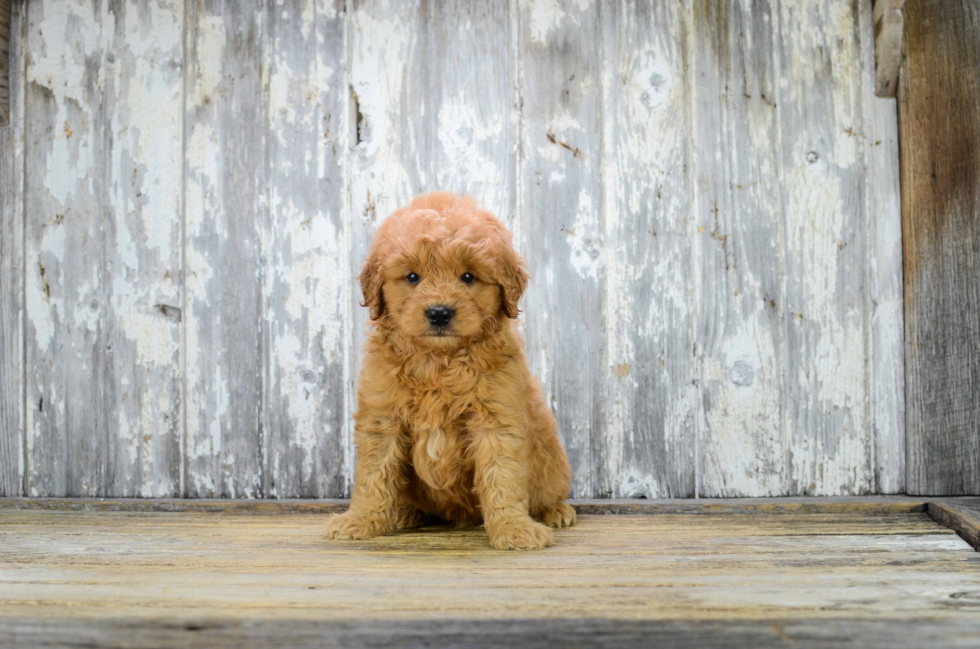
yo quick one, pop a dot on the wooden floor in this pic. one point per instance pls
(863, 574)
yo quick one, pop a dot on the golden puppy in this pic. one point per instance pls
(450, 423)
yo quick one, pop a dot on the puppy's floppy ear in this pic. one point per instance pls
(371, 281)
(512, 277)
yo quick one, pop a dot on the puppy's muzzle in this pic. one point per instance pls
(439, 315)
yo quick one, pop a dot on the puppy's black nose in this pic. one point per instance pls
(439, 315)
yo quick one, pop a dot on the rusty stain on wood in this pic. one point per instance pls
(575, 152)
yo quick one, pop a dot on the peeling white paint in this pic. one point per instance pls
(685, 335)
(547, 16)
(633, 484)
(585, 241)
(465, 140)
(211, 42)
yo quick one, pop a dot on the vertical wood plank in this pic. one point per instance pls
(888, 25)
(226, 206)
(739, 234)
(651, 371)
(939, 120)
(142, 104)
(307, 281)
(887, 319)
(822, 133)
(102, 287)
(67, 338)
(12, 266)
(562, 224)
(5, 62)
(433, 106)
(381, 41)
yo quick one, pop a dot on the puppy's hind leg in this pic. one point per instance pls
(407, 517)
(560, 515)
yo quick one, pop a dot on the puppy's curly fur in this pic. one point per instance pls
(450, 423)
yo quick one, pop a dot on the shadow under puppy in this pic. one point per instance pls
(450, 422)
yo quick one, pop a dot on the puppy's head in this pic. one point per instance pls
(442, 271)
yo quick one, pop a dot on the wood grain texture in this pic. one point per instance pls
(888, 25)
(433, 98)
(884, 213)
(794, 571)
(739, 246)
(6, 61)
(227, 209)
(827, 633)
(68, 337)
(306, 281)
(563, 230)
(871, 505)
(12, 265)
(648, 447)
(706, 193)
(103, 251)
(823, 132)
(962, 515)
(939, 121)
(141, 100)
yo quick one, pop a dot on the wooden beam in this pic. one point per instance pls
(888, 23)
(473, 633)
(869, 505)
(962, 515)
(12, 375)
(939, 135)
(4, 62)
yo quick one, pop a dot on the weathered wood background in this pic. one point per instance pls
(707, 193)
(939, 99)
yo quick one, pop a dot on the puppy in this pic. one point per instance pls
(450, 423)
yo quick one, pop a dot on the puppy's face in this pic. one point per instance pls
(442, 273)
(440, 292)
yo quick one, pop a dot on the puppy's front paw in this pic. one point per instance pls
(560, 516)
(353, 526)
(520, 534)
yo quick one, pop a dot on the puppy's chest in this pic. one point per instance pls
(438, 399)
(436, 409)
(439, 456)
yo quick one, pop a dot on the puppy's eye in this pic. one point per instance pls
(467, 278)
(412, 278)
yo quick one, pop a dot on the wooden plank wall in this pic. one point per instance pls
(706, 192)
(12, 272)
(939, 102)
(5, 16)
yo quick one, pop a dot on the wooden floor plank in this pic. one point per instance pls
(528, 634)
(844, 576)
